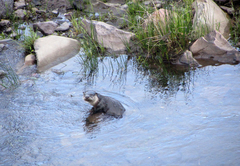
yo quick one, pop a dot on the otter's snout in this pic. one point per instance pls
(90, 97)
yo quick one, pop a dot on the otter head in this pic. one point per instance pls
(91, 97)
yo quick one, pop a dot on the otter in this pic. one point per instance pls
(103, 104)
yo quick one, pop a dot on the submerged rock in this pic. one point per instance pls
(108, 36)
(208, 14)
(215, 46)
(52, 50)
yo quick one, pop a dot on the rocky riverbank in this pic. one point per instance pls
(108, 24)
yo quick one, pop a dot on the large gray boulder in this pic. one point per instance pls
(110, 37)
(52, 50)
(209, 16)
(6, 8)
(216, 47)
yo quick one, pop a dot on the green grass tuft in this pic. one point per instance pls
(235, 29)
(28, 42)
(165, 39)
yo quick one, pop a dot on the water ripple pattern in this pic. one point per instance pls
(179, 117)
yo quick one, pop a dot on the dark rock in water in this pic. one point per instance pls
(2, 74)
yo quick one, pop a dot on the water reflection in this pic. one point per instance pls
(164, 81)
(182, 117)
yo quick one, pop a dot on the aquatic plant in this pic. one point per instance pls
(10, 80)
(92, 49)
(29, 40)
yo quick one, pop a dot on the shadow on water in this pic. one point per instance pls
(179, 117)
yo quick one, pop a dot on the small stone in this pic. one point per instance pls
(55, 11)
(47, 28)
(78, 5)
(238, 44)
(68, 15)
(2, 47)
(63, 27)
(147, 3)
(58, 71)
(4, 23)
(34, 9)
(187, 59)
(20, 13)
(158, 6)
(2, 74)
(22, 27)
(30, 60)
(229, 10)
(41, 11)
(8, 30)
(19, 5)
(13, 35)
(124, 7)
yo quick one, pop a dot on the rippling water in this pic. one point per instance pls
(178, 117)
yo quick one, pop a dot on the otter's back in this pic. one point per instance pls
(114, 107)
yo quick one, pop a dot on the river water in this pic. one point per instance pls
(179, 117)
